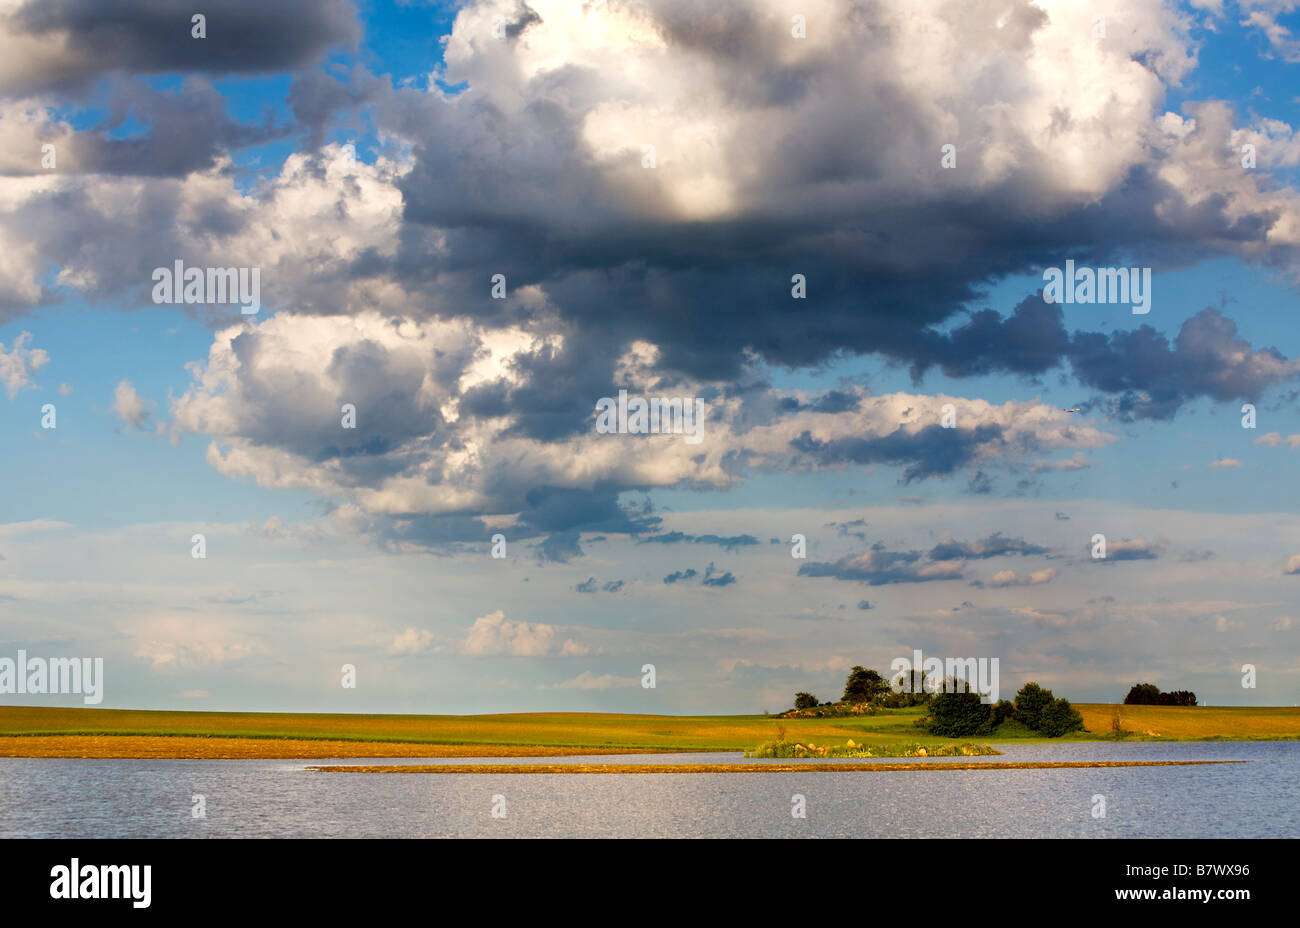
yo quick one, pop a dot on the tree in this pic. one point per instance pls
(1148, 694)
(956, 715)
(1143, 694)
(1030, 703)
(864, 685)
(1059, 717)
(805, 701)
(912, 691)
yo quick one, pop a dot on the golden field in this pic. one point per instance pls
(83, 732)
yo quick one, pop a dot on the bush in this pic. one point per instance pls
(1059, 717)
(805, 701)
(1030, 703)
(956, 715)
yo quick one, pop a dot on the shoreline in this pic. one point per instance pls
(782, 767)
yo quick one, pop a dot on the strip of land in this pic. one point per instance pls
(224, 748)
(747, 768)
(27, 731)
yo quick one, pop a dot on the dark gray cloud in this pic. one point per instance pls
(727, 542)
(832, 401)
(1148, 375)
(432, 531)
(845, 529)
(591, 585)
(716, 577)
(879, 567)
(927, 452)
(563, 509)
(995, 545)
(154, 37)
(185, 131)
(712, 576)
(559, 548)
(1032, 340)
(1151, 377)
(317, 98)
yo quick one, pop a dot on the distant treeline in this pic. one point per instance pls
(1148, 694)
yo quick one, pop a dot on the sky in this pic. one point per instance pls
(650, 182)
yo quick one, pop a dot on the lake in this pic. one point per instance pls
(280, 798)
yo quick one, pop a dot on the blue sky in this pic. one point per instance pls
(519, 151)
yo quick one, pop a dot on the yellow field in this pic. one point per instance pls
(37, 732)
(1176, 723)
(221, 748)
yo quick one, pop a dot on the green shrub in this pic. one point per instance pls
(1059, 717)
(956, 715)
(1030, 703)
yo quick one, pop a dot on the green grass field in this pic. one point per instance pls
(593, 730)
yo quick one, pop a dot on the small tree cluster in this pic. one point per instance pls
(912, 692)
(1148, 694)
(1038, 710)
(866, 688)
(957, 712)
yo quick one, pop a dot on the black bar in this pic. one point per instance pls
(746, 878)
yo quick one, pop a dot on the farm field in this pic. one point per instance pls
(58, 732)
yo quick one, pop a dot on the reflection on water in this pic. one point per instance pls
(278, 798)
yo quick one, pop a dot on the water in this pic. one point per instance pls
(279, 798)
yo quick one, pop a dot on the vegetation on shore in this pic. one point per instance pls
(782, 748)
(955, 709)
